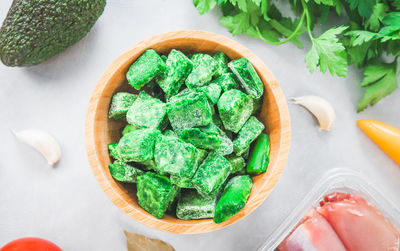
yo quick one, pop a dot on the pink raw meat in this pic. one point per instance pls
(313, 234)
(358, 224)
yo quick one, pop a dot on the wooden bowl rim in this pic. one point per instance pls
(194, 226)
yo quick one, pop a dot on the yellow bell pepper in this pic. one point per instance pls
(385, 136)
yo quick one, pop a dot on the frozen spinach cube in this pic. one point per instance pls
(112, 150)
(146, 111)
(226, 81)
(247, 135)
(129, 128)
(222, 63)
(204, 67)
(201, 139)
(120, 104)
(212, 91)
(182, 182)
(123, 172)
(178, 68)
(137, 145)
(174, 156)
(211, 174)
(145, 68)
(247, 76)
(234, 108)
(226, 146)
(189, 109)
(155, 193)
(238, 164)
(164, 58)
(192, 205)
(234, 198)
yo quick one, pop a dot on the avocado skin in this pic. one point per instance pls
(35, 30)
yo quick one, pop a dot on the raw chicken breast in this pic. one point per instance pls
(358, 224)
(313, 234)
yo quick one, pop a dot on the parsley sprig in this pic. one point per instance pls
(370, 38)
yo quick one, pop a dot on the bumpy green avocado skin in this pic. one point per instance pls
(35, 30)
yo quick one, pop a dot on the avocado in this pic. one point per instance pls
(35, 30)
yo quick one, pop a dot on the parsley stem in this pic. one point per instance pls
(290, 37)
(306, 11)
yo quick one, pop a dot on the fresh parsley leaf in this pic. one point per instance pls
(328, 53)
(364, 7)
(257, 2)
(237, 24)
(379, 80)
(396, 4)
(359, 37)
(264, 31)
(204, 6)
(393, 47)
(325, 2)
(378, 13)
(241, 4)
(391, 30)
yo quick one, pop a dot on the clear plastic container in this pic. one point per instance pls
(335, 180)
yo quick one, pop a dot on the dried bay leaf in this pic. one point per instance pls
(138, 242)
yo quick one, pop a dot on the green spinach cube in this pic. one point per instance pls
(146, 112)
(188, 109)
(124, 172)
(238, 164)
(138, 145)
(234, 198)
(226, 81)
(155, 193)
(178, 68)
(120, 104)
(211, 174)
(174, 156)
(204, 67)
(247, 76)
(212, 91)
(222, 63)
(145, 68)
(247, 135)
(112, 150)
(201, 139)
(226, 146)
(192, 205)
(234, 108)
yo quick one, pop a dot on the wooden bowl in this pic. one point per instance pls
(99, 130)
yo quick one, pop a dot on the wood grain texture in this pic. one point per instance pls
(99, 130)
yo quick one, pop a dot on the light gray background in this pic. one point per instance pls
(66, 205)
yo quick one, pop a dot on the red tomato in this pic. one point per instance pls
(30, 244)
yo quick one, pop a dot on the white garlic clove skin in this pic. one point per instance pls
(42, 142)
(320, 108)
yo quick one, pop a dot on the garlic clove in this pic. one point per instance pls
(42, 142)
(320, 108)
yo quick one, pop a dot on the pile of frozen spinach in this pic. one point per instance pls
(369, 38)
(190, 139)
